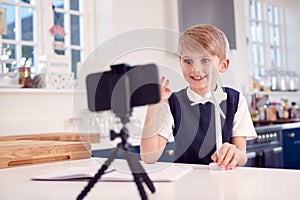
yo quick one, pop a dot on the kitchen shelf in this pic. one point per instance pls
(279, 121)
(277, 93)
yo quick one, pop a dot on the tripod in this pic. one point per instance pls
(119, 90)
(136, 168)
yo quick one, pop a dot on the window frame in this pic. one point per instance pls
(67, 13)
(18, 42)
(43, 42)
(260, 70)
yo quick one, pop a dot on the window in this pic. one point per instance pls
(20, 41)
(28, 31)
(68, 14)
(265, 36)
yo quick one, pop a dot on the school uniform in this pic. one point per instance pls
(191, 120)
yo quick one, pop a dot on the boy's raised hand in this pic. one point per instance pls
(165, 91)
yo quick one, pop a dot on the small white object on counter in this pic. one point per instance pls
(215, 166)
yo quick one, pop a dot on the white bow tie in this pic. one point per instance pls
(203, 100)
(215, 99)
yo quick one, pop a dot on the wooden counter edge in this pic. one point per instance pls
(63, 136)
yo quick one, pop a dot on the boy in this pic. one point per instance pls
(189, 113)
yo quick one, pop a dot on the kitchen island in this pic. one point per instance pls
(201, 183)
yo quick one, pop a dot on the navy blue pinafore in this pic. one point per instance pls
(194, 131)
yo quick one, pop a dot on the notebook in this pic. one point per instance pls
(166, 174)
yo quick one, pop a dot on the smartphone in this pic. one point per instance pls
(123, 87)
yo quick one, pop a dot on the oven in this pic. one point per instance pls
(266, 149)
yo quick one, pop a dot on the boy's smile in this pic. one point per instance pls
(198, 83)
(198, 78)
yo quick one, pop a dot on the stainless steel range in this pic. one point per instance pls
(266, 149)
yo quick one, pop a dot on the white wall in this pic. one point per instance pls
(26, 111)
(135, 14)
(48, 112)
(292, 31)
(239, 73)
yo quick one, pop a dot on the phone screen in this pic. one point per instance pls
(138, 86)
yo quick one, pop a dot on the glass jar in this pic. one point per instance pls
(283, 81)
(24, 72)
(271, 112)
(293, 81)
(274, 78)
(265, 83)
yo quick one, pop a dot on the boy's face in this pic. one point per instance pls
(196, 70)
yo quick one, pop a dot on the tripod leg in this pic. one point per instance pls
(98, 175)
(148, 182)
(138, 173)
(138, 182)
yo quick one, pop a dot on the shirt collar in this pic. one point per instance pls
(195, 98)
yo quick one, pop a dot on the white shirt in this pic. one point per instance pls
(242, 122)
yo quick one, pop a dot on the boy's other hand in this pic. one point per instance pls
(229, 156)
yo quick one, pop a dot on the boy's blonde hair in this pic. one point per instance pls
(209, 37)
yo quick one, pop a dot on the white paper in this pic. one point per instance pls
(167, 174)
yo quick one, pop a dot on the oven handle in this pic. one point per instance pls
(251, 155)
(277, 149)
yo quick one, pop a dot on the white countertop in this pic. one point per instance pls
(291, 125)
(33, 91)
(238, 184)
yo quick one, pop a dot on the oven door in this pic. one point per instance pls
(273, 157)
(251, 159)
(269, 157)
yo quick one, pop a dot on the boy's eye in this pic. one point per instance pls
(205, 60)
(188, 61)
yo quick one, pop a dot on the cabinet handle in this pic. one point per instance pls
(170, 152)
(291, 135)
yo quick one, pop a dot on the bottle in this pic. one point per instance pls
(280, 110)
(255, 115)
(286, 113)
(262, 112)
(271, 112)
(294, 111)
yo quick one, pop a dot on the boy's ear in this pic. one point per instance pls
(224, 65)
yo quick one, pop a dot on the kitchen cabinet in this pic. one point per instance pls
(167, 155)
(31, 111)
(291, 148)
